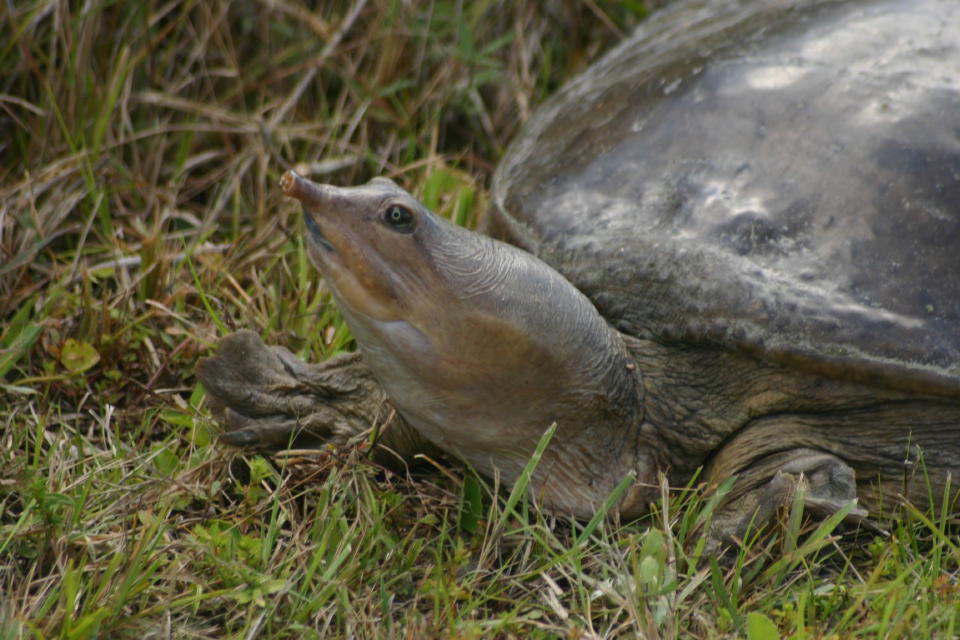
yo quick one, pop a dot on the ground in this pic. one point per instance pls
(140, 221)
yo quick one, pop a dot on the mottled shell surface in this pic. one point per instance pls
(778, 177)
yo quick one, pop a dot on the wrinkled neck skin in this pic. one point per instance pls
(481, 347)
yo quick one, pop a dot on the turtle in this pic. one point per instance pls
(729, 249)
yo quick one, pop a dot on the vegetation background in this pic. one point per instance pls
(140, 147)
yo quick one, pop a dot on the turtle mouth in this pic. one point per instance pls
(316, 234)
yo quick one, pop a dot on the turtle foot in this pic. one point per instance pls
(827, 486)
(268, 399)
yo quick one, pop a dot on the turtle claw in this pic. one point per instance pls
(242, 438)
(268, 399)
(828, 486)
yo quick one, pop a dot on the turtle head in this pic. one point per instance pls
(479, 345)
(364, 240)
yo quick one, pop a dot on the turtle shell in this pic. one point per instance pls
(777, 177)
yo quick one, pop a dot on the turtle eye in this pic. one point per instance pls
(399, 217)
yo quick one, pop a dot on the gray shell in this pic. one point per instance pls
(780, 177)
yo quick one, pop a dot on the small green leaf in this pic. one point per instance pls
(471, 505)
(77, 356)
(760, 627)
(177, 417)
(12, 388)
(260, 469)
(273, 586)
(18, 344)
(649, 571)
(654, 546)
(166, 460)
(103, 273)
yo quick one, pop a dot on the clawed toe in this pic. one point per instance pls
(268, 399)
(242, 438)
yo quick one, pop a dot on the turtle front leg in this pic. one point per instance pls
(268, 399)
(828, 484)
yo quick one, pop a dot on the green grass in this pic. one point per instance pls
(140, 147)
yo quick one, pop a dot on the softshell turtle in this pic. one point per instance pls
(741, 253)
